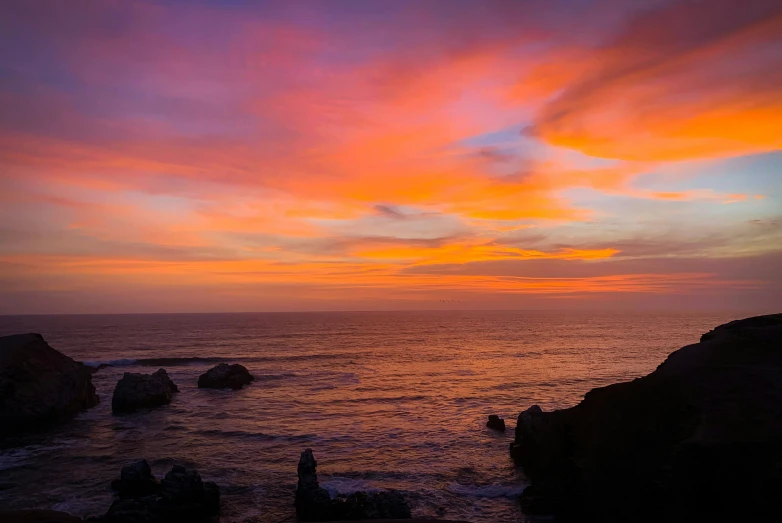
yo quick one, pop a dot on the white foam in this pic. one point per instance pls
(123, 362)
(344, 486)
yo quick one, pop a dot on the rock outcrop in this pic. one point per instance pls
(313, 503)
(496, 423)
(39, 385)
(181, 496)
(137, 391)
(698, 439)
(136, 480)
(224, 376)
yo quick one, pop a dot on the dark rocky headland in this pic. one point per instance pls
(698, 439)
(39, 386)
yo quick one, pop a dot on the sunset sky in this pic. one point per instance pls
(390, 154)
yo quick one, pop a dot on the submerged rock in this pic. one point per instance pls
(224, 376)
(700, 438)
(496, 423)
(39, 385)
(181, 497)
(136, 480)
(136, 391)
(313, 503)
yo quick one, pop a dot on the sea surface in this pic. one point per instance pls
(386, 400)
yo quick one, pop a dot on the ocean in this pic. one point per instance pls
(386, 400)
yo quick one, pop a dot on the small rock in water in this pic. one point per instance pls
(314, 503)
(137, 391)
(224, 376)
(495, 422)
(136, 480)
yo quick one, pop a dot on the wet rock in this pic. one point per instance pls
(136, 391)
(224, 376)
(163, 377)
(662, 446)
(184, 494)
(39, 386)
(314, 503)
(181, 497)
(136, 480)
(374, 505)
(496, 423)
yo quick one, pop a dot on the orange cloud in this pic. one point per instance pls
(199, 146)
(661, 91)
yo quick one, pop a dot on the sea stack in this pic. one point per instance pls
(39, 385)
(698, 439)
(314, 503)
(224, 376)
(137, 391)
(496, 423)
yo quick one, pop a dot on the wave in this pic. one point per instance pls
(154, 362)
(255, 436)
(200, 360)
(122, 362)
(340, 486)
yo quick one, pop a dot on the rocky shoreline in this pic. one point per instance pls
(701, 436)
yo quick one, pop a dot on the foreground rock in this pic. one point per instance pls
(699, 439)
(136, 480)
(137, 391)
(313, 503)
(181, 496)
(496, 423)
(224, 376)
(39, 385)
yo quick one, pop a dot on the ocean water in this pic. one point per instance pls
(385, 400)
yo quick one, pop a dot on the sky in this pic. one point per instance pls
(218, 156)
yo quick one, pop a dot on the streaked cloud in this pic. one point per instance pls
(388, 154)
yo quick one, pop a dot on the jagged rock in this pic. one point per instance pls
(136, 391)
(314, 503)
(162, 375)
(181, 497)
(374, 505)
(39, 385)
(496, 423)
(136, 480)
(224, 376)
(698, 439)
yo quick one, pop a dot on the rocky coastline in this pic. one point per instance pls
(700, 437)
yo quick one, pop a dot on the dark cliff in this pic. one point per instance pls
(700, 437)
